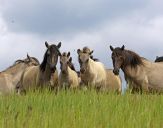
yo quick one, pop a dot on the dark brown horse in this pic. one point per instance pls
(140, 73)
(38, 76)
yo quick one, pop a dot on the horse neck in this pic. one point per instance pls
(16, 72)
(131, 72)
(69, 70)
(46, 75)
(90, 67)
(16, 69)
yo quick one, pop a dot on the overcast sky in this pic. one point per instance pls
(26, 24)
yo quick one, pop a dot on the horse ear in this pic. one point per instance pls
(29, 58)
(111, 48)
(70, 59)
(46, 44)
(68, 54)
(123, 47)
(91, 52)
(59, 44)
(78, 51)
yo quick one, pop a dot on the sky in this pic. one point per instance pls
(25, 25)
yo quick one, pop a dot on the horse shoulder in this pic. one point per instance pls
(30, 76)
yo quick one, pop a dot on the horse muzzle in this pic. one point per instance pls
(82, 70)
(116, 71)
(53, 68)
(64, 72)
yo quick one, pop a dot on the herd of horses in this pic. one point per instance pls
(28, 74)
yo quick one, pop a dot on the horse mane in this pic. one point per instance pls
(43, 64)
(95, 59)
(36, 60)
(15, 63)
(132, 59)
(71, 65)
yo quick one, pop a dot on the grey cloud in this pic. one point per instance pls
(65, 16)
(101, 22)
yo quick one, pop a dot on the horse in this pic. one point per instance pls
(42, 75)
(159, 59)
(144, 76)
(68, 76)
(94, 74)
(10, 77)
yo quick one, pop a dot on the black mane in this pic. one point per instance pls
(131, 58)
(95, 59)
(71, 65)
(52, 48)
(36, 60)
(43, 64)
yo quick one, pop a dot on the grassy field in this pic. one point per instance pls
(81, 109)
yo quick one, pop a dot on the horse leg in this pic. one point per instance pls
(19, 89)
(145, 86)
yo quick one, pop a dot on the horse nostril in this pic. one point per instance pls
(63, 71)
(53, 68)
(82, 70)
(116, 72)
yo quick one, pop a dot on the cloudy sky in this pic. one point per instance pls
(26, 25)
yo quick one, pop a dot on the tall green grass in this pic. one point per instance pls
(81, 109)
